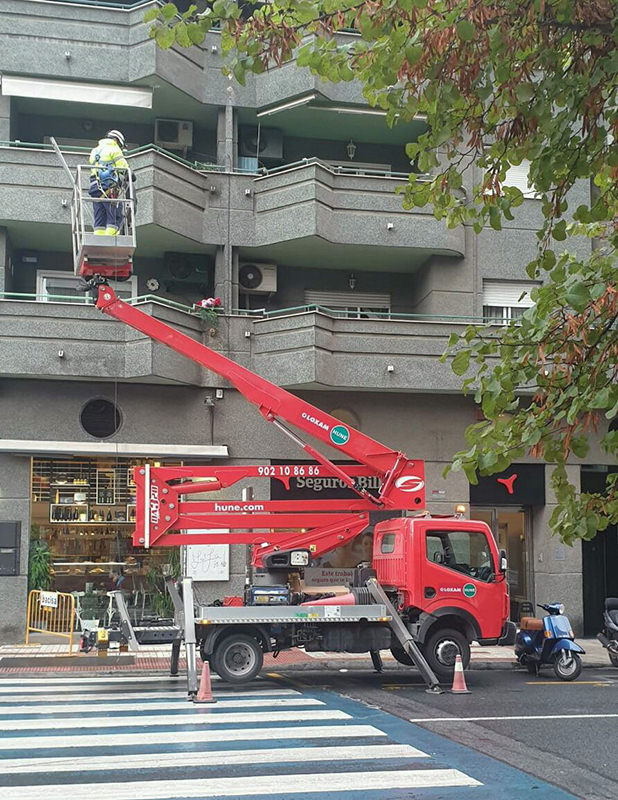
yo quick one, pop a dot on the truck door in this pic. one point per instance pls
(460, 570)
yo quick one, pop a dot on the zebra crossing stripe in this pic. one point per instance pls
(169, 705)
(269, 785)
(199, 736)
(80, 697)
(209, 758)
(85, 679)
(209, 716)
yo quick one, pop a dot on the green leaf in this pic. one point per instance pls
(165, 38)
(169, 11)
(465, 30)
(196, 33)
(151, 14)
(524, 92)
(578, 296)
(413, 53)
(182, 35)
(461, 362)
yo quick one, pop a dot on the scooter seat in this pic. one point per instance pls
(613, 615)
(531, 624)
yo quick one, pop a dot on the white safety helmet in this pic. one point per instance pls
(117, 136)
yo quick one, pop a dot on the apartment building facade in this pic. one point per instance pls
(280, 197)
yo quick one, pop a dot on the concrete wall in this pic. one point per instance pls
(14, 506)
(557, 568)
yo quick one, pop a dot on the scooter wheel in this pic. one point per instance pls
(567, 665)
(613, 657)
(531, 667)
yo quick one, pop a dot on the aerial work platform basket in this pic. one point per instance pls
(110, 256)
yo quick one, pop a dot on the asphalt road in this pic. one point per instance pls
(562, 733)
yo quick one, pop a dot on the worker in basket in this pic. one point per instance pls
(108, 178)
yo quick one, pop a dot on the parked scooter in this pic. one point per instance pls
(549, 641)
(609, 635)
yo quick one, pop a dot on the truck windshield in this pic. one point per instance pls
(463, 551)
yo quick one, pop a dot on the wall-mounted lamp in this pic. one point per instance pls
(352, 280)
(351, 149)
(67, 55)
(213, 189)
(219, 394)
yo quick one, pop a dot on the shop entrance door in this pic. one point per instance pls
(510, 527)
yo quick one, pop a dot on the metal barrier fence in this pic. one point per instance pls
(52, 613)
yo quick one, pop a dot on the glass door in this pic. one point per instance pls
(510, 527)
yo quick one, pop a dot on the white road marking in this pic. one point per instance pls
(172, 737)
(269, 785)
(192, 718)
(172, 704)
(524, 716)
(74, 698)
(208, 758)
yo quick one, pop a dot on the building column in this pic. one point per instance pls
(5, 119)
(227, 138)
(556, 567)
(5, 261)
(15, 506)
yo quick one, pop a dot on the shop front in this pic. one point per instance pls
(84, 511)
(505, 502)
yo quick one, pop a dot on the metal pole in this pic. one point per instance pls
(65, 166)
(189, 615)
(405, 637)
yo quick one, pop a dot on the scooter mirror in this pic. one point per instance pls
(503, 561)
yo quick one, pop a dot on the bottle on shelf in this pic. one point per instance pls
(109, 516)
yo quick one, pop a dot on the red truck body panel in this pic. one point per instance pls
(402, 557)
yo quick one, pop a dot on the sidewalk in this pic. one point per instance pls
(55, 658)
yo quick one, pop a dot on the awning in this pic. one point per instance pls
(120, 449)
(77, 92)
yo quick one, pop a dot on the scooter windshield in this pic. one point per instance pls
(559, 625)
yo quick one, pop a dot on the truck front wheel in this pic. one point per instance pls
(237, 658)
(441, 648)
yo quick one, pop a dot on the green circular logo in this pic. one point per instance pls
(339, 435)
(469, 590)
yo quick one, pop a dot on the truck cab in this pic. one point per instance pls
(447, 578)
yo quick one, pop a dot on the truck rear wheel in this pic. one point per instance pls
(238, 658)
(441, 648)
(400, 655)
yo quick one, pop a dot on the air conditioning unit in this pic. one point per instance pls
(270, 144)
(174, 134)
(257, 278)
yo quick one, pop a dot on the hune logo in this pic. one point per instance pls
(409, 483)
(339, 435)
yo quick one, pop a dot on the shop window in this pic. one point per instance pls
(100, 418)
(463, 551)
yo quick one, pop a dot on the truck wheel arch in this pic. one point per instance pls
(209, 637)
(449, 617)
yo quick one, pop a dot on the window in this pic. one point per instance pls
(60, 283)
(388, 543)
(518, 176)
(466, 552)
(353, 305)
(504, 301)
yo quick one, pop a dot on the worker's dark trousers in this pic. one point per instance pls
(106, 215)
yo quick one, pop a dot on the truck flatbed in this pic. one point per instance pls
(230, 615)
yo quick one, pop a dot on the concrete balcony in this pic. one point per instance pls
(33, 335)
(178, 207)
(312, 350)
(315, 200)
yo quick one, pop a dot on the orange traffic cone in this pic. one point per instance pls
(459, 680)
(204, 694)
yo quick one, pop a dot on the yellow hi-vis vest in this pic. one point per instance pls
(109, 154)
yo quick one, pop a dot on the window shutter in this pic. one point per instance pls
(507, 294)
(347, 299)
(518, 176)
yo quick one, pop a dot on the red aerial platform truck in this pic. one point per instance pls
(435, 583)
